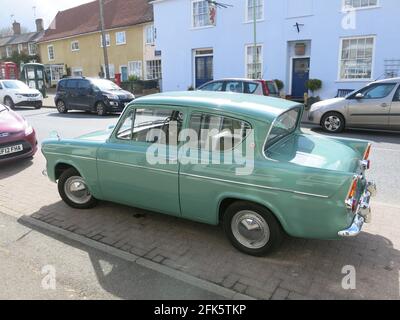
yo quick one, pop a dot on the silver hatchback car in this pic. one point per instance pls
(376, 106)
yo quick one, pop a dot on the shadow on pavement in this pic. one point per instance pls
(300, 269)
(9, 169)
(81, 115)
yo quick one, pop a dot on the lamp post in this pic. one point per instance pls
(103, 39)
(255, 40)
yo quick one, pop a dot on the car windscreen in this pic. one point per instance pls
(105, 85)
(272, 88)
(283, 126)
(14, 85)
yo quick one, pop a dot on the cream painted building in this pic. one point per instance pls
(73, 43)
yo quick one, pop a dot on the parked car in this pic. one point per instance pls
(16, 93)
(97, 95)
(258, 87)
(305, 185)
(376, 106)
(17, 137)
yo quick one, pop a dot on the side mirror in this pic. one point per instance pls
(359, 96)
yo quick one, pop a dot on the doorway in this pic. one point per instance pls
(300, 76)
(203, 67)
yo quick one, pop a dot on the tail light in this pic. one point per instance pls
(366, 163)
(351, 200)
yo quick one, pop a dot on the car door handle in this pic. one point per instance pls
(384, 105)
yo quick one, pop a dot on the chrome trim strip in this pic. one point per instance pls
(70, 155)
(138, 167)
(255, 185)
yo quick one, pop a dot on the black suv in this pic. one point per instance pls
(89, 94)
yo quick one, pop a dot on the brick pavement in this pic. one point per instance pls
(301, 269)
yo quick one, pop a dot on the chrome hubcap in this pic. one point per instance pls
(61, 106)
(76, 190)
(100, 109)
(332, 123)
(250, 229)
(8, 102)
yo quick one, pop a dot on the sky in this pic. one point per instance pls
(24, 13)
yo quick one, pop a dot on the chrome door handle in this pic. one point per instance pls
(384, 105)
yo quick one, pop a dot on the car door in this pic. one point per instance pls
(370, 106)
(72, 94)
(138, 165)
(85, 95)
(207, 160)
(394, 116)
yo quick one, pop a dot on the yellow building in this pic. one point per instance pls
(72, 45)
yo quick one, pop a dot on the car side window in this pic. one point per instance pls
(217, 133)
(377, 91)
(234, 86)
(151, 125)
(397, 95)
(84, 84)
(213, 86)
(251, 87)
(72, 84)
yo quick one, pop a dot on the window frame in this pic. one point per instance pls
(247, 20)
(210, 25)
(298, 123)
(206, 113)
(108, 40)
(116, 38)
(9, 51)
(157, 66)
(345, 7)
(72, 46)
(246, 72)
(342, 39)
(53, 52)
(30, 52)
(150, 28)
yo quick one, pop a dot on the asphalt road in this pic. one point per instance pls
(385, 156)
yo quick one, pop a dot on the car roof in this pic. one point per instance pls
(254, 106)
(390, 80)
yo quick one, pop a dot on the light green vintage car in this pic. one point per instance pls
(237, 160)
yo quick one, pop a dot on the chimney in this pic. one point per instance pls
(16, 28)
(39, 25)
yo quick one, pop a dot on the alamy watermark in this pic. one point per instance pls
(213, 146)
(49, 281)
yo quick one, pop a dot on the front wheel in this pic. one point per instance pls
(74, 190)
(252, 229)
(61, 107)
(101, 109)
(9, 102)
(333, 122)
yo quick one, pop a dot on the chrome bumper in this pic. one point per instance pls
(363, 215)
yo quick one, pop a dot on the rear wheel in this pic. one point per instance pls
(101, 109)
(74, 190)
(61, 107)
(9, 102)
(333, 122)
(252, 229)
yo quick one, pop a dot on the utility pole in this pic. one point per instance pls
(255, 40)
(103, 37)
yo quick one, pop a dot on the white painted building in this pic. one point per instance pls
(296, 40)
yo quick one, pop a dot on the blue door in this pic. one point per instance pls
(124, 73)
(300, 76)
(204, 70)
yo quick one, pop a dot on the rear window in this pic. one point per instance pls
(283, 126)
(272, 87)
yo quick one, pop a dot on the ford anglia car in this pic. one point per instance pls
(221, 158)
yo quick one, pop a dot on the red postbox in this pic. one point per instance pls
(8, 70)
(118, 79)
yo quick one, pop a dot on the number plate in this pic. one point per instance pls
(10, 150)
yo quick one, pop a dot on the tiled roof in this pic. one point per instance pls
(22, 38)
(86, 18)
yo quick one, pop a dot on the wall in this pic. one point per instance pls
(90, 55)
(322, 25)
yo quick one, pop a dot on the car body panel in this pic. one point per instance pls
(22, 96)
(307, 198)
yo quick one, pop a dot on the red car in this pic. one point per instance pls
(17, 137)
